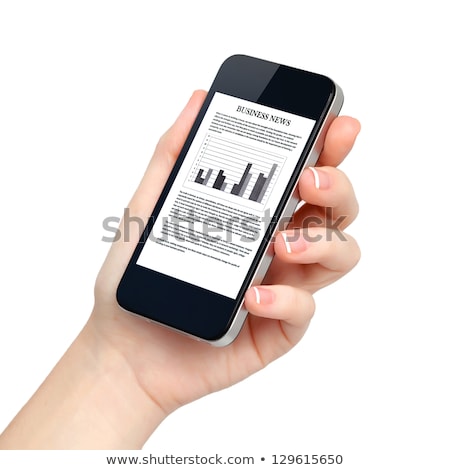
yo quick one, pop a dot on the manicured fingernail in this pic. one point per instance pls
(286, 242)
(294, 243)
(321, 179)
(263, 296)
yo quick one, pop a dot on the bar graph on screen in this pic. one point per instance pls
(237, 170)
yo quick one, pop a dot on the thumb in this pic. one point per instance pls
(166, 153)
(144, 199)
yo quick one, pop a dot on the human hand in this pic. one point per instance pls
(122, 375)
(172, 369)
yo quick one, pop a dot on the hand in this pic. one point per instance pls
(173, 369)
(122, 375)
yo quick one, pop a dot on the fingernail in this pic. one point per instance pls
(321, 179)
(263, 296)
(294, 243)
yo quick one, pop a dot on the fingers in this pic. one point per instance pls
(334, 250)
(329, 195)
(324, 187)
(339, 140)
(290, 304)
(310, 258)
(293, 308)
(305, 262)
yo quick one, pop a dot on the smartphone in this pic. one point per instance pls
(232, 187)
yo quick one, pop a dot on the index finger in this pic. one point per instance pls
(339, 140)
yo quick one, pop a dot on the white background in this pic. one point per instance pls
(86, 89)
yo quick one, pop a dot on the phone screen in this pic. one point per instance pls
(213, 220)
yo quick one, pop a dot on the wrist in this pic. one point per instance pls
(90, 400)
(126, 411)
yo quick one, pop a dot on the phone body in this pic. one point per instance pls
(232, 187)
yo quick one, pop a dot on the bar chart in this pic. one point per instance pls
(236, 169)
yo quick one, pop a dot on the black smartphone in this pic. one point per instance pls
(231, 188)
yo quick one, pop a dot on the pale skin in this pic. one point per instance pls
(122, 375)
